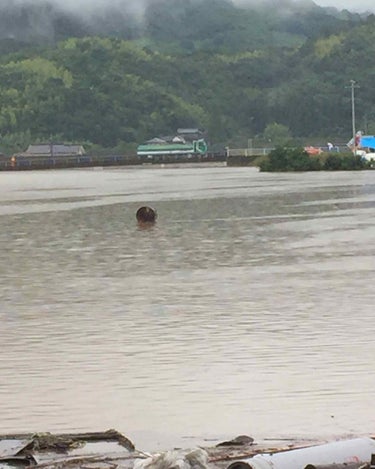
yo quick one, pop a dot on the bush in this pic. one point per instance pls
(290, 159)
(332, 163)
(346, 162)
(296, 159)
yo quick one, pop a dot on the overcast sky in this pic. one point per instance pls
(352, 5)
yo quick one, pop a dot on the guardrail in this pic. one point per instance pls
(249, 151)
(41, 162)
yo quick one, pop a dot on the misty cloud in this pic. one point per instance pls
(53, 20)
(138, 6)
(84, 6)
(351, 5)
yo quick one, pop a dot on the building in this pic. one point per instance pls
(53, 150)
(191, 134)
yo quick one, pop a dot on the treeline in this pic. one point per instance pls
(207, 65)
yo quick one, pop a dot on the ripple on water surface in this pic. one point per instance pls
(247, 308)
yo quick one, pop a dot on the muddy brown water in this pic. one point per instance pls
(247, 309)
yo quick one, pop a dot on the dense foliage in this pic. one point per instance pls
(241, 73)
(296, 159)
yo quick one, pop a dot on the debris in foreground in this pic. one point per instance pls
(195, 459)
(358, 451)
(112, 450)
(58, 451)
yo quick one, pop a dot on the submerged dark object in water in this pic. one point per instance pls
(146, 215)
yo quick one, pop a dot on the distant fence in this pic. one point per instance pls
(41, 162)
(248, 151)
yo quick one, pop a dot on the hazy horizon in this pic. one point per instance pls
(351, 5)
(138, 5)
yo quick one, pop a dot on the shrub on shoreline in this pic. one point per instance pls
(345, 162)
(283, 159)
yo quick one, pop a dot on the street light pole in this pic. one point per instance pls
(352, 83)
(352, 86)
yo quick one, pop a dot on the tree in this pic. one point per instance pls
(277, 134)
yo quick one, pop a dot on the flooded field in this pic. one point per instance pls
(248, 307)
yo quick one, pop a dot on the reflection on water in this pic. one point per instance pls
(248, 307)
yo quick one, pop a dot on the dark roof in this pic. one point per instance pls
(189, 131)
(57, 149)
(156, 140)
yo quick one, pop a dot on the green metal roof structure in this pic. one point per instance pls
(196, 147)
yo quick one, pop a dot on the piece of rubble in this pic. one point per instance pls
(241, 440)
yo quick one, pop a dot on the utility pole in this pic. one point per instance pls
(250, 146)
(51, 146)
(352, 86)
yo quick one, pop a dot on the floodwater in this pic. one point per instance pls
(247, 309)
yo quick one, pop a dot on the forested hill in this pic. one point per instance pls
(178, 25)
(115, 77)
